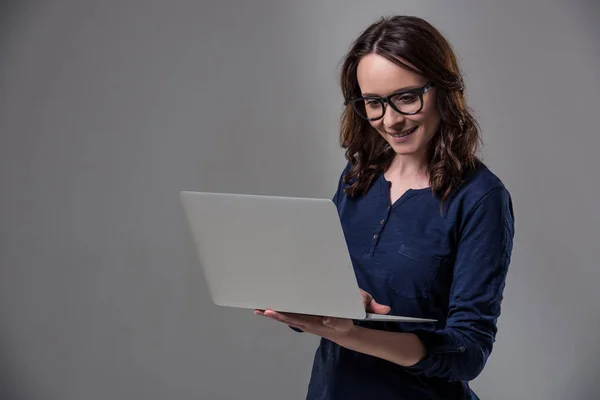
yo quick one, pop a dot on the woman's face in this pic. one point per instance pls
(406, 134)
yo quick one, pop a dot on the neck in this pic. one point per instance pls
(411, 166)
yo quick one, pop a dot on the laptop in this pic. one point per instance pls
(287, 254)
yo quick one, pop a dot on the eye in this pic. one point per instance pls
(406, 98)
(373, 104)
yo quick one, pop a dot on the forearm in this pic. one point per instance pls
(404, 349)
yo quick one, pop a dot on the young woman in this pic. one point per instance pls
(428, 225)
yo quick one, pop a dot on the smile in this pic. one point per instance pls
(405, 133)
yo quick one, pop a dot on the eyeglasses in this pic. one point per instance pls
(407, 102)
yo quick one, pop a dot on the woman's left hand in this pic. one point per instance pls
(327, 327)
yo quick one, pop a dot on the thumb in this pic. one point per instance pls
(377, 308)
(372, 306)
(366, 298)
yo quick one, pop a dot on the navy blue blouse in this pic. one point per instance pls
(448, 266)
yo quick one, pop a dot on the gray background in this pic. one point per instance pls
(109, 108)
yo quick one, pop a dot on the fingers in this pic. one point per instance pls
(271, 314)
(278, 317)
(293, 320)
(309, 323)
(327, 327)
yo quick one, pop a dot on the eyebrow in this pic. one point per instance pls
(394, 92)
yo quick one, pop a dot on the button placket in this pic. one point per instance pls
(381, 224)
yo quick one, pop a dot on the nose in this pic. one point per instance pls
(392, 117)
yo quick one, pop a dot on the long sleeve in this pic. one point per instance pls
(460, 350)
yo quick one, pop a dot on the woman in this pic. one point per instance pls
(429, 226)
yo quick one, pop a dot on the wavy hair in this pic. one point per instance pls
(452, 151)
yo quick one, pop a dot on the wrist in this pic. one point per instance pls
(404, 349)
(348, 338)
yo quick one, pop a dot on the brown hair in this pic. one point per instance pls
(453, 148)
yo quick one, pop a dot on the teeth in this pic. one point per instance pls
(404, 133)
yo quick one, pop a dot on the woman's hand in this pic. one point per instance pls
(327, 327)
(404, 349)
(371, 306)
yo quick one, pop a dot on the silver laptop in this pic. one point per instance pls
(282, 253)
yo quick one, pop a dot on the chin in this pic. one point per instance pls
(406, 148)
(405, 151)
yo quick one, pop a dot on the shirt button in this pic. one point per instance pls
(462, 349)
(382, 221)
(375, 236)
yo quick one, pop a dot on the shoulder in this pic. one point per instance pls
(343, 181)
(481, 191)
(340, 195)
(345, 171)
(478, 184)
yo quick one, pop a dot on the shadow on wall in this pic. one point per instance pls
(8, 380)
(588, 382)
(12, 384)
(9, 9)
(11, 13)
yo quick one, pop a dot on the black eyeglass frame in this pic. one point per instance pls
(387, 100)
